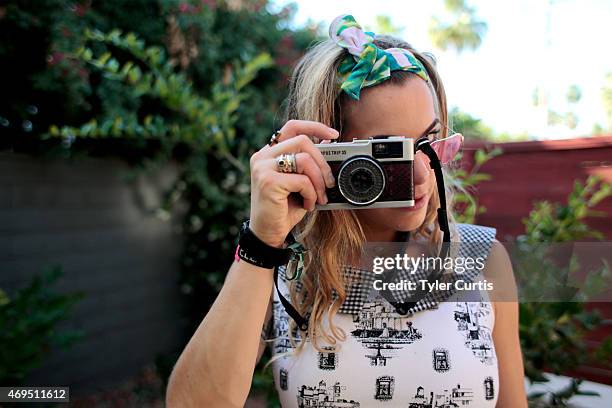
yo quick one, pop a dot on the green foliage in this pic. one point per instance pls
(214, 162)
(597, 130)
(550, 222)
(468, 125)
(552, 333)
(569, 119)
(574, 94)
(465, 31)
(540, 98)
(197, 83)
(466, 203)
(29, 326)
(474, 128)
(561, 397)
(202, 124)
(606, 98)
(384, 25)
(263, 383)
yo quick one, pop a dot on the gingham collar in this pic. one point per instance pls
(475, 241)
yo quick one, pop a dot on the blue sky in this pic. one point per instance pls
(495, 83)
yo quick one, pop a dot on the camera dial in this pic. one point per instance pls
(361, 180)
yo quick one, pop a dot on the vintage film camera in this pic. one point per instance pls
(370, 173)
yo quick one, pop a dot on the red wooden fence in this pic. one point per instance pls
(544, 170)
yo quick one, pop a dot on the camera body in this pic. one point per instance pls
(370, 173)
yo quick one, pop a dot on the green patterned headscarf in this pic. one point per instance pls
(366, 64)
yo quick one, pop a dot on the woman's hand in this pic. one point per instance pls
(274, 210)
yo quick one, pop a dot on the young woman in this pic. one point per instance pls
(357, 351)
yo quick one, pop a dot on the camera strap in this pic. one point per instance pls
(423, 144)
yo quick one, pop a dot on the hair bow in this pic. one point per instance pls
(366, 64)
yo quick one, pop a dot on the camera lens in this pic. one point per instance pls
(361, 180)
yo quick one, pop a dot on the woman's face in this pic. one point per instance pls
(407, 110)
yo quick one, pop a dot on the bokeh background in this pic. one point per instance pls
(125, 132)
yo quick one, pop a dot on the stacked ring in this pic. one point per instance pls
(286, 163)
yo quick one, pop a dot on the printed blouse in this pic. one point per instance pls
(440, 354)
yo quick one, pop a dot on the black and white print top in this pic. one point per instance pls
(441, 354)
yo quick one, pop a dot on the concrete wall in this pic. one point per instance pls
(82, 215)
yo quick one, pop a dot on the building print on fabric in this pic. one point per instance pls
(384, 388)
(489, 388)
(280, 332)
(441, 360)
(283, 379)
(382, 329)
(323, 396)
(470, 317)
(455, 397)
(329, 360)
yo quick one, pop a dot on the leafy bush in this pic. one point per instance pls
(552, 333)
(28, 326)
(196, 82)
(198, 131)
(563, 223)
(466, 207)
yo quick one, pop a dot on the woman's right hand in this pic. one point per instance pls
(274, 212)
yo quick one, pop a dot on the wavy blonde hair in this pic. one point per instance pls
(336, 238)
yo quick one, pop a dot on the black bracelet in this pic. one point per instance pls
(254, 251)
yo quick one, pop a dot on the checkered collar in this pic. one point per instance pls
(475, 241)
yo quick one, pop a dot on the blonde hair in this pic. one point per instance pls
(336, 237)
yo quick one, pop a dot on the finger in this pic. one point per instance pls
(299, 144)
(306, 165)
(300, 183)
(308, 127)
(296, 127)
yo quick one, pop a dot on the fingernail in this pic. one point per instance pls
(325, 200)
(335, 132)
(330, 180)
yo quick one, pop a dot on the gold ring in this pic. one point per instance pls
(274, 138)
(286, 163)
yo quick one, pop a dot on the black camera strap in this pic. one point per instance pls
(301, 321)
(402, 308)
(424, 145)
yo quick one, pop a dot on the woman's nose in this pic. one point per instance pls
(421, 168)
